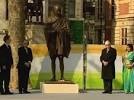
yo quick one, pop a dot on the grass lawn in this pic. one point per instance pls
(94, 80)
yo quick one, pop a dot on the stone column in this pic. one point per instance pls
(45, 10)
(79, 8)
(16, 29)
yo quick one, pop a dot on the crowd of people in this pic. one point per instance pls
(58, 42)
(107, 58)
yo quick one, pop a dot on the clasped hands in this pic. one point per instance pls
(28, 63)
(131, 65)
(105, 63)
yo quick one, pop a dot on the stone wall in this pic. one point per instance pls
(35, 33)
(124, 18)
(3, 21)
(79, 8)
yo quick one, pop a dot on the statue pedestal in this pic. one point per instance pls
(59, 87)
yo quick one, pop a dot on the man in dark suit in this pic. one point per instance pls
(107, 59)
(0, 74)
(24, 66)
(6, 64)
(1, 85)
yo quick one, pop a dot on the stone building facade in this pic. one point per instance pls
(3, 15)
(123, 25)
(112, 19)
(103, 20)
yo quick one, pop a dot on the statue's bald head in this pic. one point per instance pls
(58, 10)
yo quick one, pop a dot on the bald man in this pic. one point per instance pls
(107, 58)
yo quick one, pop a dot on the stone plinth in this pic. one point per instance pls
(59, 87)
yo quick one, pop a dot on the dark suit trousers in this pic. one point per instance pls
(107, 85)
(23, 75)
(1, 83)
(6, 78)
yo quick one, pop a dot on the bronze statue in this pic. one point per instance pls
(58, 41)
(34, 8)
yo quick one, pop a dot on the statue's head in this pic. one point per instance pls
(58, 10)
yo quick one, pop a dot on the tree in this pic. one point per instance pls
(17, 31)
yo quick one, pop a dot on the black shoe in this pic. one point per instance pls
(2, 93)
(8, 92)
(20, 92)
(109, 92)
(26, 92)
(105, 92)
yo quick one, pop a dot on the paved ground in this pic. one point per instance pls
(90, 95)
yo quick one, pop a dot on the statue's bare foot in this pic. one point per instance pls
(53, 79)
(62, 80)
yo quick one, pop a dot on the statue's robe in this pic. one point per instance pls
(58, 38)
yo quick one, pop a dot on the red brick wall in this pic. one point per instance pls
(123, 9)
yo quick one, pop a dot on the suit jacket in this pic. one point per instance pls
(6, 58)
(24, 56)
(108, 72)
